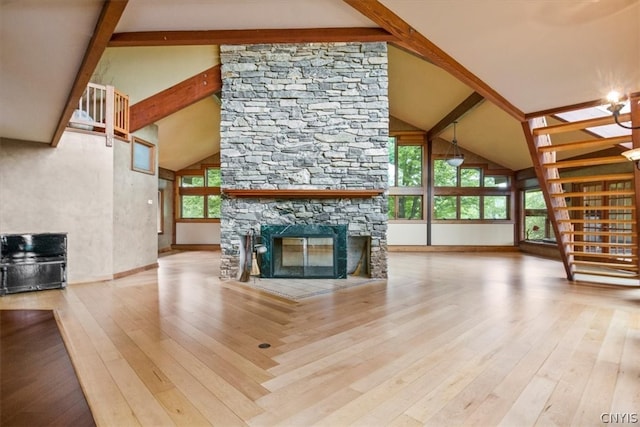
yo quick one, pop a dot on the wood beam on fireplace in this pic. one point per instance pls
(297, 193)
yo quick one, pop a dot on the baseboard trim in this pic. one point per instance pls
(135, 270)
(196, 247)
(406, 248)
(115, 275)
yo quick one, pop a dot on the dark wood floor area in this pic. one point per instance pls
(38, 385)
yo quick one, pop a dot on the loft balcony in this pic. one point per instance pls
(104, 109)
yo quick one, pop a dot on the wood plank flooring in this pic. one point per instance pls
(38, 385)
(450, 339)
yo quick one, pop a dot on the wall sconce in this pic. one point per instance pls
(615, 105)
(633, 155)
(456, 158)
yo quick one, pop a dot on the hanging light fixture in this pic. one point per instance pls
(633, 155)
(615, 106)
(456, 158)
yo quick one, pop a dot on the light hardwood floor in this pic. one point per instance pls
(450, 339)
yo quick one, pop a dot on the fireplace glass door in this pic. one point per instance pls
(305, 257)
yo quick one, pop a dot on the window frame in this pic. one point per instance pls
(409, 138)
(135, 141)
(458, 191)
(203, 191)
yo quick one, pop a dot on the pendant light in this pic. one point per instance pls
(456, 158)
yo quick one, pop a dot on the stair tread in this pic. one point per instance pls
(590, 143)
(620, 266)
(586, 162)
(607, 274)
(603, 255)
(598, 221)
(593, 193)
(630, 234)
(592, 178)
(595, 208)
(604, 244)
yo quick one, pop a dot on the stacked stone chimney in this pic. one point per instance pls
(304, 116)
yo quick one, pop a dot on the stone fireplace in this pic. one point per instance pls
(304, 130)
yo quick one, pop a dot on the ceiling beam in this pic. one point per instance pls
(217, 37)
(573, 107)
(414, 41)
(175, 98)
(109, 16)
(465, 106)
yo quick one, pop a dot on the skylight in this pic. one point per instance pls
(606, 131)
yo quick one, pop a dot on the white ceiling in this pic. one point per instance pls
(537, 54)
(41, 48)
(155, 15)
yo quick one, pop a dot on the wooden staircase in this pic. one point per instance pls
(590, 191)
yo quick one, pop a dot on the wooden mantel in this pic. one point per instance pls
(300, 193)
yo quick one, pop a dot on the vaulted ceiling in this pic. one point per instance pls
(521, 56)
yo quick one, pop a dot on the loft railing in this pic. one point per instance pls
(102, 109)
(120, 113)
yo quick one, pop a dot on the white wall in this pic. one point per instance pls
(451, 234)
(135, 231)
(198, 233)
(472, 234)
(407, 234)
(129, 68)
(87, 190)
(64, 189)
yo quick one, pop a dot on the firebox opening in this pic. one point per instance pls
(304, 251)
(311, 256)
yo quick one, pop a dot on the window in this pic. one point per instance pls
(192, 207)
(192, 181)
(444, 175)
(406, 176)
(445, 207)
(469, 207)
(536, 221)
(214, 204)
(214, 179)
(470, 177)
(143, 156)
(496, 181)
(405, 207)
(496, 207)
(200, 193)
(405, 164)
(467, 193)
